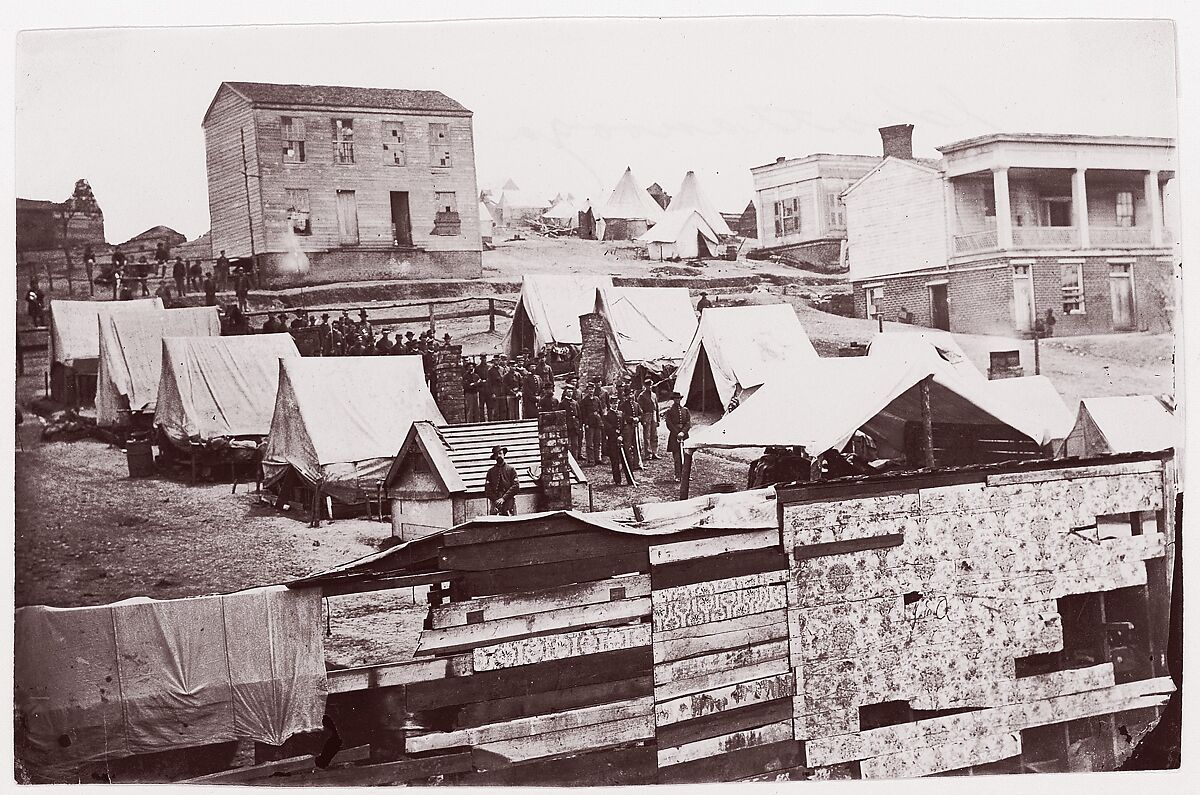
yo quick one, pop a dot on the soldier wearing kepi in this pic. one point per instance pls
(500, 485)
(614, 423)
(679, 425)
(574, 436)
(648, 416)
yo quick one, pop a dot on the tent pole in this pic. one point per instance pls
(686, 482)
(927, 422)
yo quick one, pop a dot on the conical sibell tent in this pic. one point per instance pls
(691, 197)
(629, 211)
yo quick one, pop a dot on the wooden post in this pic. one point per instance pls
(1037, 355)
(685, 481)
(432, 326)
(491, 314)
(927, 422)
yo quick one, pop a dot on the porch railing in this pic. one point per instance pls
(1119, 236)
(1045, 237)
(975, 241)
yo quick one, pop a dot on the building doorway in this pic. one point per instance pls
(1120, 285)
(347, 210)
(401, 221)
(939, 306)
(1023, 305)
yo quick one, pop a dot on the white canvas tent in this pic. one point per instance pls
(1125, 424)
(487, 224)
(563, 213)
(549, 308)
(819, 406)
(75, 342)
(692, 197)
(131, 357)
(680, 234)
(643, 326)
(907, 344)
(516, 205)
(220, 387)
(1039, 397)
(339, 421)
(629, 211)
(736, 350)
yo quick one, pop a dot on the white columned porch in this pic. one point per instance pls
(1079, 206)
(1154, 203)
(1004, 238)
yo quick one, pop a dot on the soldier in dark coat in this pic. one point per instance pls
(679, 425)
(629, 412)
(500, 485)
(589, 418)
(471, 384)
(531, 393)
(569, 405)
(512, 393)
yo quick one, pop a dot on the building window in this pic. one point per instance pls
(787, 216)
(1072, 290)
(298, 212)
(1125, 208)
(291, 133)
(836, 209)
(446, 220)
(343, 141)
(874, 301)
(439, 145)
(393, 143)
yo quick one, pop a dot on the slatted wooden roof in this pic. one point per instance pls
(466, 453)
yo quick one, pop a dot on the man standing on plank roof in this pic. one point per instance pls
(500, 484)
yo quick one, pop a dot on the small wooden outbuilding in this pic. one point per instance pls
(436, 480)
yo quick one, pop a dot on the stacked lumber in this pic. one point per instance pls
(547, 636)
(723, 682)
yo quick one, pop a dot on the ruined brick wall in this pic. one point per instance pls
(556, 471)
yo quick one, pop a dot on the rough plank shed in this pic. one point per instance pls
(436, 480)
(1002, 618)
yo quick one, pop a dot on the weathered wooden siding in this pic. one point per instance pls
(229, 116)
(896, 221)
(370, 177)
(940, 620)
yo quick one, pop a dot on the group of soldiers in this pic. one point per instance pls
(618, 424)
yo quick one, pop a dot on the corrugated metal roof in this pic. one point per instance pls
(347, 96)
(469, 448)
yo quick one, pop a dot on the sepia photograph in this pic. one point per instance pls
(595, 401)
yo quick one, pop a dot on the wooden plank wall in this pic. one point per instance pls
(938, 619)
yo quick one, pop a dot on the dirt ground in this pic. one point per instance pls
(87, 534)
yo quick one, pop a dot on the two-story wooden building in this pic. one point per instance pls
(799, 207)
(1006, 230)
(332, 183)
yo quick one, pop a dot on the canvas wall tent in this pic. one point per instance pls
(1039, 397)
(819, 405)
(131, 357)
(220, 387)
(1127, 424)
(143, 676)
(75, 343)
(680, 234)
(487, 224)
(518, 206)
(629, 211)
(436, 480)
(692, 197)
(908, 344)
(339, 421)
(736, 350)
(563, 213)
(650, 327)
(548, 310)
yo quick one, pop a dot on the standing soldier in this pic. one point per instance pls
(35, 303)
(143, 275)
(179, 273)
(471, 383)
(222, 269)
(679, 425)
(500, 485)
(629, 414)
(531, 391)
(512, 393)
(89, 265)
(497, 404)
(589, 418)
(548, 402)
(241, 288)
(210, 290)
(571, 407)
(160, 258)
(648, 414)
(613, 441)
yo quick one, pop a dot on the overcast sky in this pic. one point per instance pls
(566, 105)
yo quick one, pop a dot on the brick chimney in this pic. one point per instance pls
(556, 471)
(448, 390)
(897, 141)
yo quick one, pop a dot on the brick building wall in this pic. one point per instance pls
(980, 295)
(910, 291)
